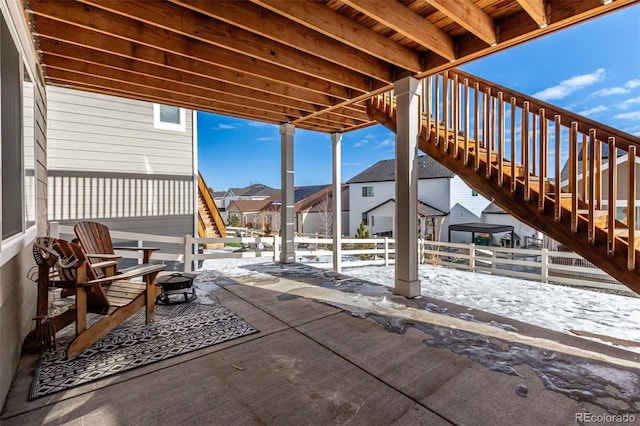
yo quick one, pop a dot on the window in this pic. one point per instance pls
(474, 193)
(11, 134)
(364, 219)
(28, 120)
(367, 191)
(372, 222)
(167, 117)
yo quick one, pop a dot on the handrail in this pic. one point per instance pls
(623, 139)
(211, 206)
(507, 139)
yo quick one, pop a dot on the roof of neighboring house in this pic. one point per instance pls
(217, 194)
(299, 193)
(255, 190)
(385, 170)
(247, 206)
(424, 209)
(493, 208)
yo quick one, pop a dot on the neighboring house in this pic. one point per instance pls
(125, 163)
(444, 199)
(524, 235)
(314, 213)
(622, 164)
(254, 192)
(217, 198)
(249, 212)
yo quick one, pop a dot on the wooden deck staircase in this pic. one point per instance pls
(210, 223)
(511, 148)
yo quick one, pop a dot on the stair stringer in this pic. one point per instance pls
(526, 211)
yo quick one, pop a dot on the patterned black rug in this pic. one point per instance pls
(176, 330)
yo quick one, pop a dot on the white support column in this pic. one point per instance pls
(287, 224)
(408, 103)
(336, 139)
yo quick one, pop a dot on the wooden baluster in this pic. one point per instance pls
(543, 159)
(445, 110)
(592, 186)
(456, 115)
(476, 124)
(513, 145)
(598, 172)
(558, 188)
(585, 169)
(534, 141)
(428, 106)
(488, 101)
(613, 197)
(465, 158)
(631, 207)
(437, 115)
(500, 139)
(525, 149)
(573, 175)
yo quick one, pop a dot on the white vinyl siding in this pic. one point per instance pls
(101, 133)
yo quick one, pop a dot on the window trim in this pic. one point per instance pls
(162, 125)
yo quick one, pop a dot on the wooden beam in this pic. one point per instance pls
(270, 25)
(170, 17)
(102, 85)
(298, 87)
(86, 17)
(535, 9)
(408, 23)
(470, 17)
(324, 20)
(158, 83)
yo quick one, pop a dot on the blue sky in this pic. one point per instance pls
(592, 69)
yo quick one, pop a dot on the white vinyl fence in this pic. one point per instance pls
(537, 265)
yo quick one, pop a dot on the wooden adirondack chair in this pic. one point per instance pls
(95, 239)
(115, 297)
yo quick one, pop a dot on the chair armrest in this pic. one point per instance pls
(105, 264)
(132, 273)
(146, 251)
(133, 248)
(104, 256)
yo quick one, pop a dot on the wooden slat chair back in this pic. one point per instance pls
(95, 238)
(116, 297)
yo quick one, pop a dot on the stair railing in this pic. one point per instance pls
(211, 206)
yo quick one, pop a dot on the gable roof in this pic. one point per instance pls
(493, 208)
(255, 190)
(247, 206)
(385, 170)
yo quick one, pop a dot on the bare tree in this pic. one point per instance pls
(325, 212)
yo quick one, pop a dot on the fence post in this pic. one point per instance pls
(386, 251)
(140, 244)
(54, 229)
(420, 251)
(276, 248)
(544, 267)
(472, 257)
(494, 266)
(188, 253)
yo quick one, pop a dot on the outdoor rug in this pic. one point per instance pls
(176, 330)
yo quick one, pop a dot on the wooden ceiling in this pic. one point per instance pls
(306, 62)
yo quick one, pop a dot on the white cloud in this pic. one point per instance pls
(609, 91)
(629, 102)
(386, 143)
(265, 139)
(259, 124)
(223, 126)
(360, 143)
(632, 84)
(567, 87)
(594, 110)
(628, 116)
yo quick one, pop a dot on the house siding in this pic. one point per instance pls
(17, 292)
(107, 162)
(462, 194)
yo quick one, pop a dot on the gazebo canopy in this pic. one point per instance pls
(482, 228)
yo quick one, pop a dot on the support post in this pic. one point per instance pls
(408, 106)
(336, 142)
(188, 253)
(287, 231)
(544, 268)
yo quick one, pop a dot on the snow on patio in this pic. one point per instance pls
(550, 306)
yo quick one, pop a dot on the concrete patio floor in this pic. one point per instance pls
(321, 358)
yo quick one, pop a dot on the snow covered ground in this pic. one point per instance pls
(549, 306)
